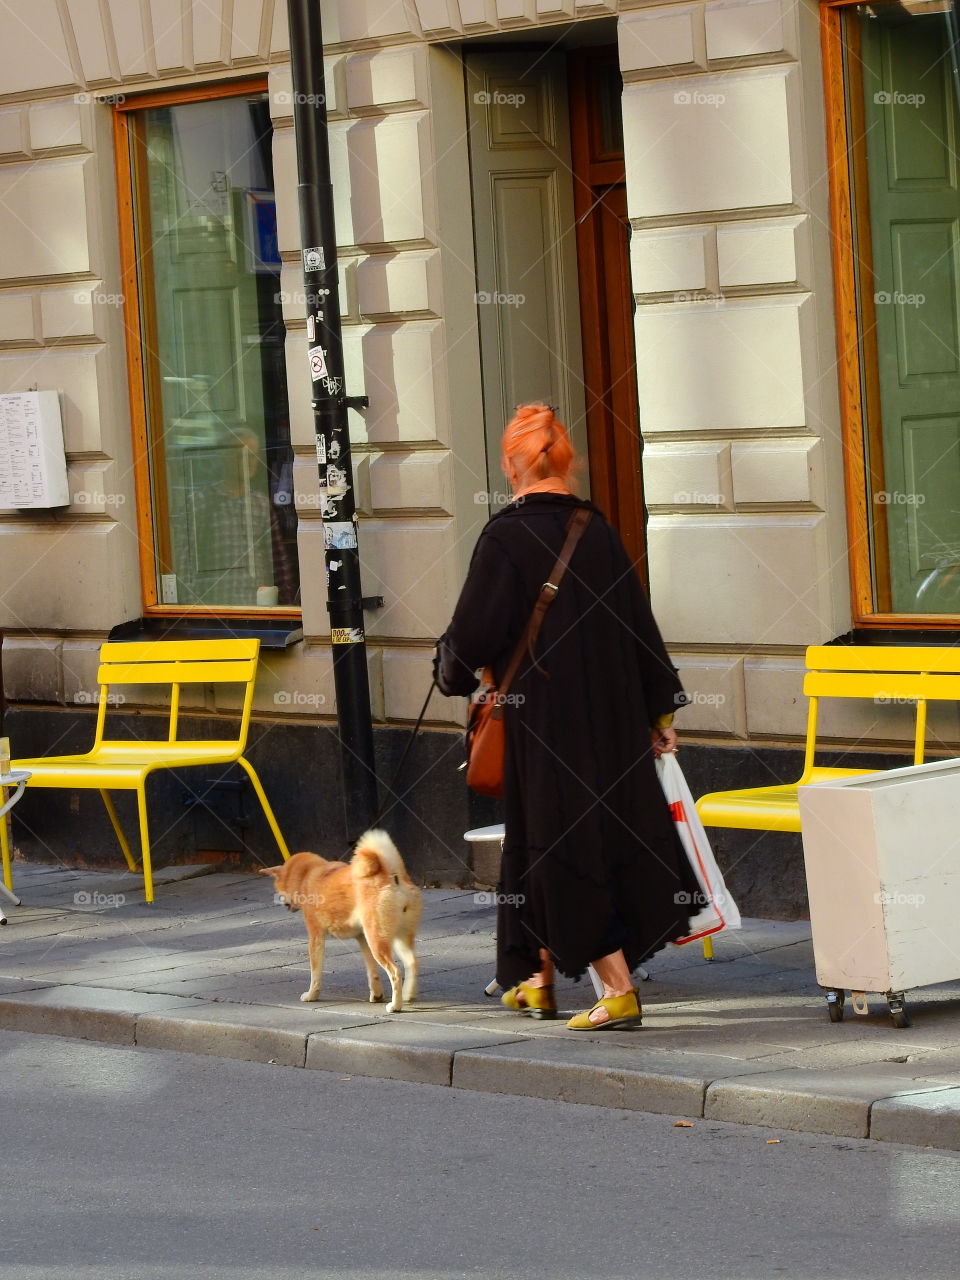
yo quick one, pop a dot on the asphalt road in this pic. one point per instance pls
(126, 1163)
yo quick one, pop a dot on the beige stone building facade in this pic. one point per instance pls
(736, 285)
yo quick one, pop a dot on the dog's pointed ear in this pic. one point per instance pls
(270, 871)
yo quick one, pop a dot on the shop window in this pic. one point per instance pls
(893, 77)
(206, 347)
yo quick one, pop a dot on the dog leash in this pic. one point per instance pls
(390, 798)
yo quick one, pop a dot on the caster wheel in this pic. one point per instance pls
(898, 1013)
(835, 1006)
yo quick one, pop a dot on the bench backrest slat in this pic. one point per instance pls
(882, 658)
(112, 673)
(882, 686)
(178, 650)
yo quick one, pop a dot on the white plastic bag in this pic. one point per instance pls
(720, 910)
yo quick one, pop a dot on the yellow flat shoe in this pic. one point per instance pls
(535, 1002)
(623, 1011)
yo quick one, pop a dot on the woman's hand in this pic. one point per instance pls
(664, 741)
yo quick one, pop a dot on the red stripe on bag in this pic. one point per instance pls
(676, 808)
(694, 856)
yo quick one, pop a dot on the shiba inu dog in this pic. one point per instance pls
(370, 898)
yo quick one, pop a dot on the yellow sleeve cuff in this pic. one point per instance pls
(664, 722)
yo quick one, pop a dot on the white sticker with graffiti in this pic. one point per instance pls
(318, 363)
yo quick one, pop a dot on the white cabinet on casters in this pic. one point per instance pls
(882, 855)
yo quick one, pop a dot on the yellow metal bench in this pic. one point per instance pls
(125, 764)
(888, 675)
(885, 675)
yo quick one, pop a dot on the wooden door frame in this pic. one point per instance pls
(859, 377)
(609, 362)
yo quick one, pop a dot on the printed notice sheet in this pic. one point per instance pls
(33, 469)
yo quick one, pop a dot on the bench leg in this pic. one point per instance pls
(5, 848)
(118, 830)
(265, 803)
(145, 842)
(708, 948)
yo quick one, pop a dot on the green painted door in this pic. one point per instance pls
(910, 111)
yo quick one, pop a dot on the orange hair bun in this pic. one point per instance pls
(537, 444)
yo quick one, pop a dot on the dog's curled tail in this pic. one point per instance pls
(375, 851)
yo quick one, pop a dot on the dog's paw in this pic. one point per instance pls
(376, 997)
(309, 996)
(394, 1008)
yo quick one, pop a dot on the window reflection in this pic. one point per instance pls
(221, 461)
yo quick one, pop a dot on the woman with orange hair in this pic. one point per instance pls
(593, 871)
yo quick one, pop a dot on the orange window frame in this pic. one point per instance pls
(139, 378)
(859, 384)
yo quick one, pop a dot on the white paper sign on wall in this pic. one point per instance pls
(33, 467)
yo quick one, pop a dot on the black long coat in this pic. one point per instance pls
(591, 859)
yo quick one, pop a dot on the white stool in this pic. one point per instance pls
(496, 832)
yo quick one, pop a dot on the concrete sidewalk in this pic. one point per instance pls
(215, 967)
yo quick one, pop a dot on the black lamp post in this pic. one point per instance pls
(330, 405)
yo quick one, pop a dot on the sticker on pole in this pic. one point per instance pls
(346, 635)
(336, 479)
(321, 450)
(318, 363)
(314, 258)
(339, 535)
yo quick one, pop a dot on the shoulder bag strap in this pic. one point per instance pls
(548, 592)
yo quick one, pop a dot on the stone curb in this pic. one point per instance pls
(663, 1083)
(82, 1013)
(695, 1085)
(422, 1054)
(813, 1101)
(251, 1032)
